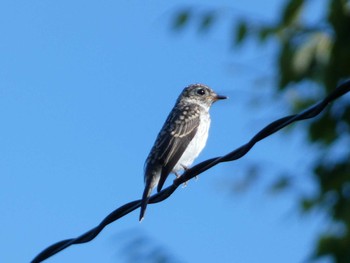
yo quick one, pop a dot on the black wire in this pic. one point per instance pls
(194, 171)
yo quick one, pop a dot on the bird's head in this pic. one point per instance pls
(200, 94)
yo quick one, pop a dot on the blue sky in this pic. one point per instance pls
(85, 87)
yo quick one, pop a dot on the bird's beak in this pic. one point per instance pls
(220, 97)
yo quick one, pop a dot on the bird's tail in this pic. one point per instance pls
(145, 198)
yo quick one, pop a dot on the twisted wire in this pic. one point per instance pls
(270, 129)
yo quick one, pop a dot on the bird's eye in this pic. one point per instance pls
(201, 92)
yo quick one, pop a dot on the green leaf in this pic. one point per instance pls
(339, 17)
(308, 204)
(335, 245)
(265, 32)
(241, 32)
(285, 66)
(291, 12)
(324, 129)
(206, 21)
(281, 184)
(181, 19)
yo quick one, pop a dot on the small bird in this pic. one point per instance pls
(182, 138)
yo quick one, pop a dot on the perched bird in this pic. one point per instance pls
(182, 138)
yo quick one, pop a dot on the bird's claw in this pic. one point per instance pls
(184, 167)
(177, 175)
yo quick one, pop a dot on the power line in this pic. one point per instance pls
(273, 127)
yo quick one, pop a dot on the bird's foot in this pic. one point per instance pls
(177, 175)
(184, 167)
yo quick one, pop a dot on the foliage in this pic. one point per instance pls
(315, 53)
(139, 248)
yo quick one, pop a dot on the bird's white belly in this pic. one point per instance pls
(196, 145)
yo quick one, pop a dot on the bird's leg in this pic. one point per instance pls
(177, 175)
(185, 169)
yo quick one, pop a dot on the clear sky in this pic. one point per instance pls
(85, 87)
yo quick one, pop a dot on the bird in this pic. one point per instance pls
(181, 139)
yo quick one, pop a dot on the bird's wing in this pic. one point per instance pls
(170, 145)
(180, 129)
